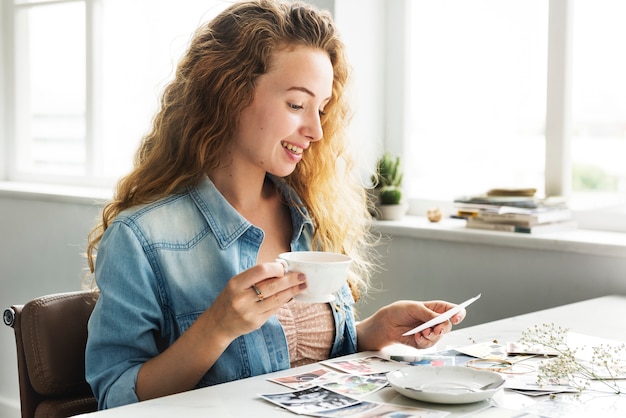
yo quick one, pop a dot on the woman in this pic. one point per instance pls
(246, 159)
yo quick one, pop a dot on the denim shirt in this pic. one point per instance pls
(160, 266)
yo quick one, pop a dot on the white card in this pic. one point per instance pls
(443, 317)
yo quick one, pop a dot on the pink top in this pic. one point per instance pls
(310, 331)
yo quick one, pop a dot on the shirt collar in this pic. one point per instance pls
(228, 225)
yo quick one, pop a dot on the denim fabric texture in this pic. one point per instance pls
(160, 266)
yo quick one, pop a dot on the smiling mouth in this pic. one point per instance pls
(295, 149)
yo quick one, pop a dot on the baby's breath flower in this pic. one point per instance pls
(606, 364)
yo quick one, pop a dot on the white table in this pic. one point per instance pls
(239, 398)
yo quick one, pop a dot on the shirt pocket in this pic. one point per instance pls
(233, 363)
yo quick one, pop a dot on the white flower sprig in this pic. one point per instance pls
(606, 364)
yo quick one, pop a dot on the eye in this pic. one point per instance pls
(295, 106)
(322, 113)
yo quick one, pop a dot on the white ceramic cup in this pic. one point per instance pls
(325, 273)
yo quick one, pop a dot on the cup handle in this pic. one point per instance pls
(283, 263)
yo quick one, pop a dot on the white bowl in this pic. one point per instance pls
(444, 384)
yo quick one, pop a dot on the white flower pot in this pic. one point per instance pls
(392, 212)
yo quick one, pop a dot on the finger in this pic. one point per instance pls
(430, 333)
(256, 278)
(433, 334)
(260, 297)
(458, 318)
(428, 338)
(275, 285)
(422, 341)
(281, 291)
(442, 328)
(261, 272)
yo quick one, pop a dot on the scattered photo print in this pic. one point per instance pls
(350, 411)
(357, 386)
(310, 401)
(427, 360)
(366, 365)
(490, 350)
(302, 380)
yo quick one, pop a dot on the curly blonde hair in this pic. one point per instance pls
(214, 82)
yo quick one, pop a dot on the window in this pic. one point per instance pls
(87, 75)
(477, 96)
(487, 80)
(50, 75)
(481, 98)
(599, 102)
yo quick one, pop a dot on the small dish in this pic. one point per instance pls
(444, 384)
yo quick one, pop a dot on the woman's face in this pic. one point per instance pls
(284, 116)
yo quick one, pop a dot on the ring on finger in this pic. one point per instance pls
(259, 294)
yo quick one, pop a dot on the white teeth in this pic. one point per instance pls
(292, 148)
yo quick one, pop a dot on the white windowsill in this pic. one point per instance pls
(581, 241)
(55, 192)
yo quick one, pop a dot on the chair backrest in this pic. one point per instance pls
(50, 336)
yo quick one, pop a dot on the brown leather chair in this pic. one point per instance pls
(50, 335)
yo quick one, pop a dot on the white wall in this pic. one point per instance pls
(41, 246)
(511, 280)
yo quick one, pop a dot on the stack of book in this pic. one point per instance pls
(515, 213)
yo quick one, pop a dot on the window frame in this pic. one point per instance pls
(6, 86)
(558, 166)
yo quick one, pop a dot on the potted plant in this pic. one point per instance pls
(387, 181)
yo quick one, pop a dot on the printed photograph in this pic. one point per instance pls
(366, 365)
(311, 400)
(357, 386)
(302, 380)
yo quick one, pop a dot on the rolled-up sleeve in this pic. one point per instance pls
(345, 327)
(126, 319)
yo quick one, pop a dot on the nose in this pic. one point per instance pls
(312, 127)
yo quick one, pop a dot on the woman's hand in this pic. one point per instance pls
(252, 297)
(388, 324)
(236, 311)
